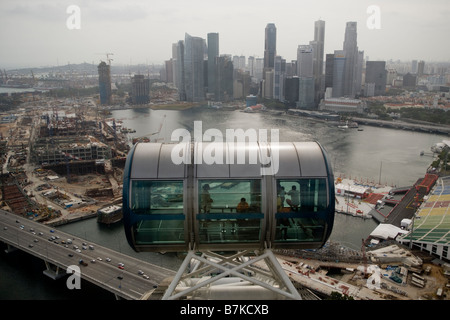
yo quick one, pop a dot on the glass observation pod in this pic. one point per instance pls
(227, 196)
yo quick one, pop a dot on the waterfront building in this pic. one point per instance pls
(291, 90)
(279, 75)
(376, 74)
(251, 66)
(140, 89)
(258, 71)
(194, 68)
(342, 105)
(104, 83)
(213, 53)
(306, 93)
(224, 80)
(267, 84)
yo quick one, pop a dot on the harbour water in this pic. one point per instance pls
(377, 154)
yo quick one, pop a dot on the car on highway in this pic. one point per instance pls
(108, 259)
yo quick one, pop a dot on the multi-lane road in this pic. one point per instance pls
(124, 276)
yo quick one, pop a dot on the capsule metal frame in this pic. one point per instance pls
(162, 198)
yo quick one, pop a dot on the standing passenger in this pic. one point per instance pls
(294, 202)
(206, 199)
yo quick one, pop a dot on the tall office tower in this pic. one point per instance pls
(329, 63)
(279, 75)
(224, 80)
(140, 89)
(194, 68)
(213, 53)
(268, 83)
(270, 46)
(420, 68)
(376, 73)
(351, 59)
(251, 66)
(414, 66)
(259, 66)
(291, 90)
(318, 45)
(338, 73)
(181, 82)
(305, 58)
(174, 63)
(169, 70)
(359, 72)
(104, 82)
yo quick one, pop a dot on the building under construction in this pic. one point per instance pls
(140, 89)
(104, 83)
(65, 149)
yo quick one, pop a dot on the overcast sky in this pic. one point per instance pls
(34, 33)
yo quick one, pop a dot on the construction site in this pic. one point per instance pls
(62, 162)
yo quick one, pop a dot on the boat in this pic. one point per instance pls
(109, 214)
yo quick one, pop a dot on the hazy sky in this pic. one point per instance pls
(34, 33)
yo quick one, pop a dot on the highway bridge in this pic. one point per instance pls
(126, 277)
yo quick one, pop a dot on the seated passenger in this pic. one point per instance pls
(242, 206)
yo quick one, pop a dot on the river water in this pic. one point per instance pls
(376, 154)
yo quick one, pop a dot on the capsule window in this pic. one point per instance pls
(301, 210)
(159, 204)
(157, 197)
(229, 211)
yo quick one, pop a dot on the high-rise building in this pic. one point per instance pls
(338, 73)
(270, 45)
(291, 90)
(318, 50)
(351, 60)
(180, 78)
(194, 48)
(305, 59)
(104, 83)
(224, 80)
(376, 74)
(213, 54)
(414, 66)
(420, 68)
(329, 63)
(279, 75)
(140, 89)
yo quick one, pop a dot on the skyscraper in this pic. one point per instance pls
(140, 89)
(213, 53)
(305, 61)
(180, 78)
(270, 46)
(351, 60)
(376, 74)
(338, 73)
(104, 82)
(193, 66)
(318, 49)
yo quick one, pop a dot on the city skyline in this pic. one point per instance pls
(44, 32)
